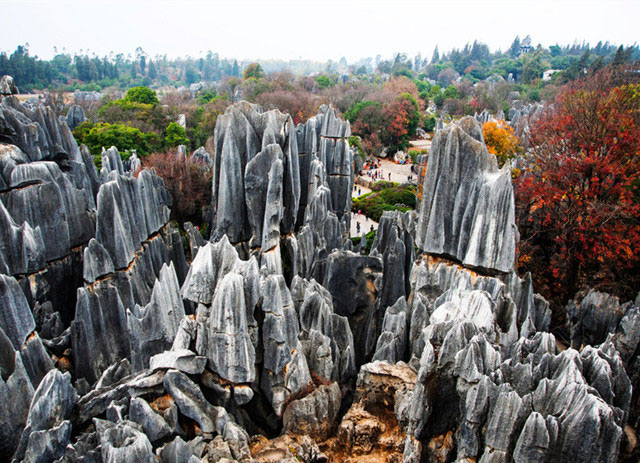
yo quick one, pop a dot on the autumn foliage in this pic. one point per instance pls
(189, 183)
(578, 206)
(500, 140)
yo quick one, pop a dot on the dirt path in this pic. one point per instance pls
(365, 223)
(421, 144)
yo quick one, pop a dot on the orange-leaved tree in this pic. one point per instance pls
(500, 140)
(403, 117)
(578, 206)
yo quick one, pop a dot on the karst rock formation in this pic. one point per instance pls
(277, 339)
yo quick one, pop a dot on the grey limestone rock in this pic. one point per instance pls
(7, 86)
(202, 155)
(153, 328)
(153, 424)
(321, 234)
(96, 262)
(325, 159)
(133, 164)
(22, 246)
(210, 265)
(534, 440)
(48, 444)
(129, 210)
(99, 333)
(392, 342)
(63, 208)
(75, 116)
(467, 208)
(354, 284)
(47, 432)
(196, 241)
(326, 336)
(314, 415)
(179, 451)
(16, 319)
(229, 347)
(191, 401)
(181, 360)
(596, 315)
(227, 290)
(123, 443)
(285, 370)
(243, 131)
(526, 403)
(16, 391)
(395, 244)
(263, 193)
(517, 309)
(86, 96)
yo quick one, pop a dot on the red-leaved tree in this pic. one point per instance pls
(189, 182)
(578, 208)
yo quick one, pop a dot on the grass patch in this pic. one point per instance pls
(394, 198)
(369, 237)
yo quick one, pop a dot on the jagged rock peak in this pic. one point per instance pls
(129, 210)
(248, 139)
(7, 86)
(467, 211)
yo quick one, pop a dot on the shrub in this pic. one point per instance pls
(189, 182)
(429, 123)
(254, 70)
(382, 184)
(121, 136)
(142, 95)
(324, 82)
(414, 153)
(370, 237)
(175, 135)
(500, 140)
(396, 198)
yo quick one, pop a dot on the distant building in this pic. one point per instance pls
(525, 45)
(546, 75)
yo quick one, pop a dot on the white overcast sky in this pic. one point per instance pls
(309, 29)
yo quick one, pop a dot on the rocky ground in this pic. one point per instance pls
(275, 339)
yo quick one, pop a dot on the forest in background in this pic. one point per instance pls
(87, 71)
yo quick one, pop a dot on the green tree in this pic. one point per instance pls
(324, 81)
(175, 135)
(254, 70)
(191, 76)
(142, 95)
(121, 136)
(152, 70)
(532, 67)
(352, 113)
(451, 92)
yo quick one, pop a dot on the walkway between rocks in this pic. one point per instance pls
(365, 222)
